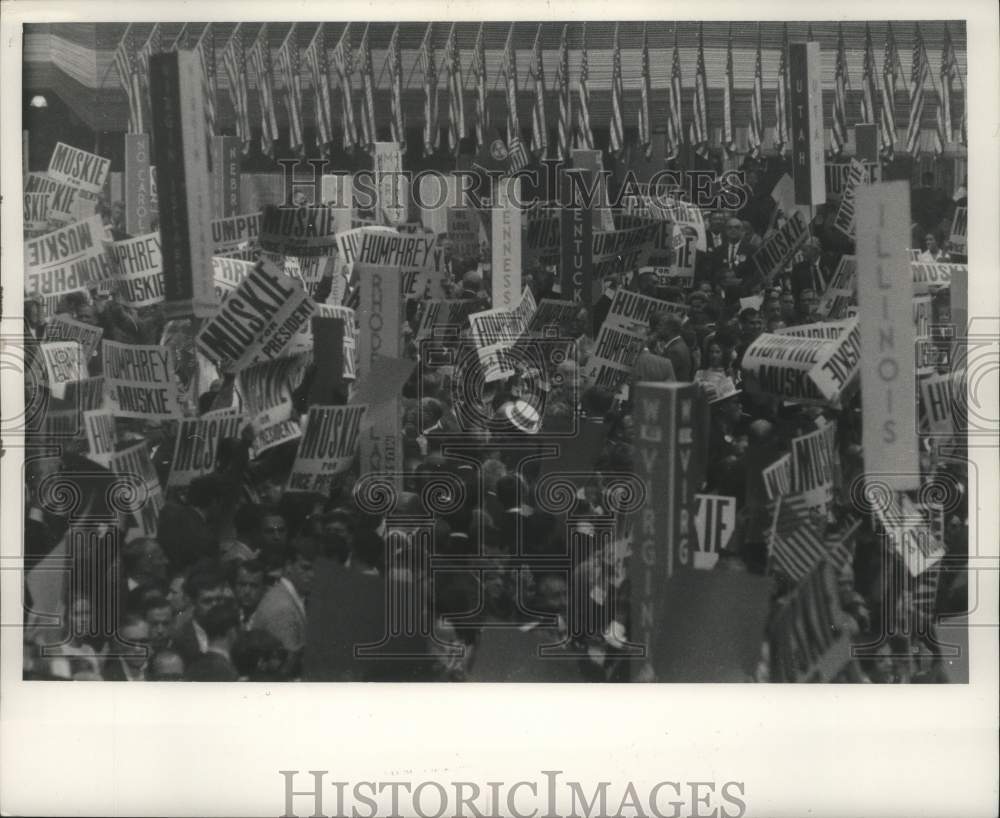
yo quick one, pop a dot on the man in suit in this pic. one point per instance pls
(729, 264)
(222, 626)
(668, 343)
(282, 611)
(248, 587)
(206, 588)
(188, 532)
(715, 236)
(814, 271)
(126, 660)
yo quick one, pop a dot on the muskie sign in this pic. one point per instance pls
(197, 445)
(68, 259)
(256, 322)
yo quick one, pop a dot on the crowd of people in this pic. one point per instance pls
(227, 588)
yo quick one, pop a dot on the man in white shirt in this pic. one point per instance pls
(282, 611)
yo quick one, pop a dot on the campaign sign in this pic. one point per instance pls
(257, 321)
(71, 258)
(64, 328)
(714, 522)
(196, 446)
(327, 448)
(140, 270)
(140, 381)
(78, 168)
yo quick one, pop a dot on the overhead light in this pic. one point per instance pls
(38, 101)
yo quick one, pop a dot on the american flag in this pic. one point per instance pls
(431, 131)
(781, 123)
(919, 74)
(131, 80)
(479, 78)
(456, 101)
(153, 45)
(508, 71)
(675, 124)
(539, 133)
(585, 137)
(646, 90)
(841, 83)
(180, 41)
(799, 539)
(397, 122)
(890, 72)
(367, 92)
(869, 96)
(949, 70)
(617, 99)
(260, 60)
(290, 71)
(565, 100)
(700, 125)
(206, 57)
(235, 62)
(318, 63)
(728, 126)
(343, 59)
(755, 134)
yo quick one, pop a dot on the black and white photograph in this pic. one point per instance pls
(555, 351)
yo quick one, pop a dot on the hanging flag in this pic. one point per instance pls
(646, 94)
(675, 125)
(397, 122)
(617, 99)
(728, 126)
(949, 70)
(585, 136)
(367, 92)
(181, 40)
(508, 70)
(887, 123)
(565, 100)
(700, 125)
(869, 96)
(479, 77)
(131, 81)
(456, 103)
(235, 62)
(539, 134)
(318, 63)
(782, 134)
(206, 57)
(755, 133)
(431, 132)
(290, 71)
(919, 73)
(841, 82)
(260, 60)
(343, 60)
(153, 45)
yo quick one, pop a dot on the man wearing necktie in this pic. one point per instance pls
(730, 267)
(812, 272)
